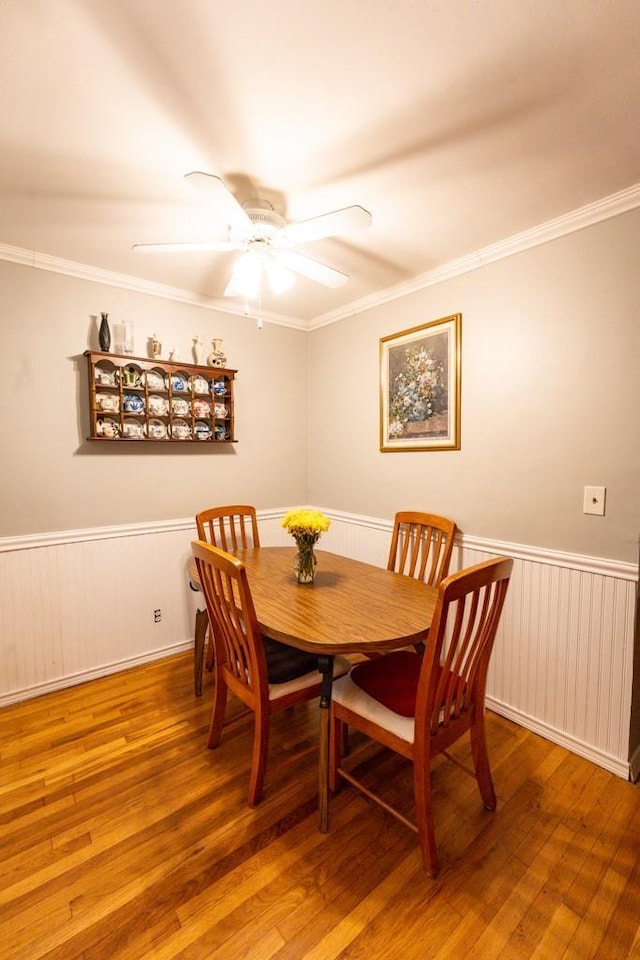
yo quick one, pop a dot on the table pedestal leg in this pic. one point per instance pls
(325, 666)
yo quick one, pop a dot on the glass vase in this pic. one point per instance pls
(305, 564)
(123, 337)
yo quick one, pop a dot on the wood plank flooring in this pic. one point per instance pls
(123, 838)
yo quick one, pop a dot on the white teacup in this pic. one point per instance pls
(155, 381)
(158, 405)
(133, 430)
(105, 378)
(180, 407)
(181, 431)
(108, 402)
(200, 385)
(107, 428)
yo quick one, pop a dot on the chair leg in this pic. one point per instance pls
(259, 758)
(202, 622)
(424, 814)
(218, 709)
(481, 763)
(338, 737)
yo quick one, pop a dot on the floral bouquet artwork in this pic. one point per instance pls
(306, 527)
(418, 390)
(420, 387)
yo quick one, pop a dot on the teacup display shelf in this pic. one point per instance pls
(134, 399)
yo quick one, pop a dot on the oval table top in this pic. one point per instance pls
(350, 607)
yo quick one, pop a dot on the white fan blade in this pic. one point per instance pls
(217, 192)
(184, 247)
(306, 267)
(328, 224)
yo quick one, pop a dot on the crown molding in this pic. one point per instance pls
(592, 213)
(586, 216)
(83, 271)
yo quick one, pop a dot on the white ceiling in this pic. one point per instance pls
(457, 123)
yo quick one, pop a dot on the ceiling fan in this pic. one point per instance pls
(267, 242)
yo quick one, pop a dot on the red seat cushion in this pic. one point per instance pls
(391, 679)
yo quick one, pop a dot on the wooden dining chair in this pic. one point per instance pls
(227, 527)
(265, 675)
(418, 705)
(421, 546)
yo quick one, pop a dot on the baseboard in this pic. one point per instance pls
(613, 764)
(61, 683)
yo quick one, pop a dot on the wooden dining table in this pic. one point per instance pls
(351, 607)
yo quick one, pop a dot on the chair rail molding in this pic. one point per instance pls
(562, 664)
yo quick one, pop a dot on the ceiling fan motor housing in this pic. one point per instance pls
(265, 222)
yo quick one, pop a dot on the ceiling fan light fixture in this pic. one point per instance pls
(246, 277)
(280, 279)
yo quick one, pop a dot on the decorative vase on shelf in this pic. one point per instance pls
(198, 350)
(123, 337)
(305, 563)
(156, 347)
(217, 358)
(104, 334)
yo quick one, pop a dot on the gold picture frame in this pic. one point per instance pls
(420, 387)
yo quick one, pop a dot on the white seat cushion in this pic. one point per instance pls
(348, 693)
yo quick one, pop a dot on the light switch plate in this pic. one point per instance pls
(594, 498)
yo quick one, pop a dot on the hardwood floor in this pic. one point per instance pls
(124, 838)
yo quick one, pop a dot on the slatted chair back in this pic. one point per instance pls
(238, 638)
(229, 527)
(421, 546)
(453, 679)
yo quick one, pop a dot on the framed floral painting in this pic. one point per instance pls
(420, 387)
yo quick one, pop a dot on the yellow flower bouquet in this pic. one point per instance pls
(306, 527)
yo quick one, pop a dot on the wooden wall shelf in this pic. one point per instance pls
(134, 399)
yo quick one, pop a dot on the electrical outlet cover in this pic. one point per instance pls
(594, 498)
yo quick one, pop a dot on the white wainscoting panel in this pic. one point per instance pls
(73, 610)
(79, 604)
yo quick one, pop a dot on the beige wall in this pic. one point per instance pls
(53, 479)
(550, 400)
